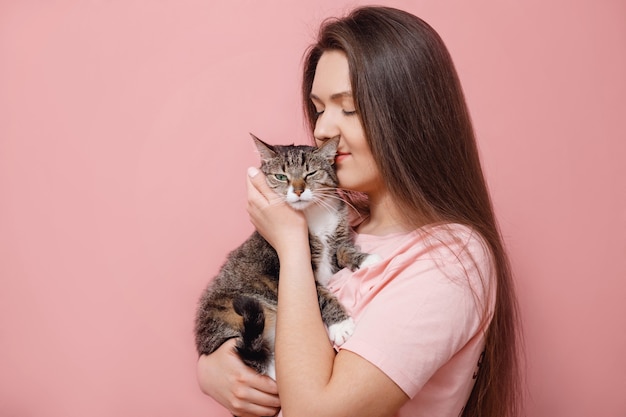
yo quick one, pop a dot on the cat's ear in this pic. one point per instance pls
(328, 149)
(266, 151)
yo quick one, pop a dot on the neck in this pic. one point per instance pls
(385, 217)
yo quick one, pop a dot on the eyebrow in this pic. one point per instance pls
(336, 96)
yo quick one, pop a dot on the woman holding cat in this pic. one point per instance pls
(436, 322)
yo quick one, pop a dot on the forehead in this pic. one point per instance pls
(332, 77)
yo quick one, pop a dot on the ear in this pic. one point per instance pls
(328, 150)
(266, 151)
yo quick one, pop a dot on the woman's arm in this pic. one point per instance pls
(224, 377)
(312, 380)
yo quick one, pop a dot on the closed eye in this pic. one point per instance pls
(310, 174)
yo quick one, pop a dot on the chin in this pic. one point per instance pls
(300, 205)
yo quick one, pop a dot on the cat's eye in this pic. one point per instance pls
(310, 174)
(280, 177)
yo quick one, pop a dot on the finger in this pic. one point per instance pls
(261, 389)
(258, 404)
(266, 384)
(260, 195)
(254, 411)
(256, 395)
(258, 181)
(255, 381)
(255, 403)
(255, 196)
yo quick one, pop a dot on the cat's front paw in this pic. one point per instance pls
(370, 260)
(338, 333)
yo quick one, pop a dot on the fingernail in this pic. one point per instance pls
(252, 171)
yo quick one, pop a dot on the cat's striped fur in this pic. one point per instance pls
(241, 301)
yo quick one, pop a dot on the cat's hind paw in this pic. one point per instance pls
(370, 260)
(338, 333)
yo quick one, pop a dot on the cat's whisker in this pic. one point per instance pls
(326, 204)
(329, 200)
(276, 202)
(346, 195)
(325, 189)
(328, 194)
(332, 194)
(277, 199)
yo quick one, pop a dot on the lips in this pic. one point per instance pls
(341, 156)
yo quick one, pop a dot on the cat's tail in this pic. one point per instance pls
(252, 347)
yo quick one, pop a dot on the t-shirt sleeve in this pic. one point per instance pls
(426, 310)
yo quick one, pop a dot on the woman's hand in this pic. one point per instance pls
(224, 377)
(281, 225)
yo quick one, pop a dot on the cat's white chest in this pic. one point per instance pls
(321, 221)
(322, 224)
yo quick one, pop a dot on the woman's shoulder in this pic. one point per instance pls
(453, 237)
(455, 241)
(451, 247)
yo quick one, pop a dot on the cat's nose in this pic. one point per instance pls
(298, 187)
(298, 190)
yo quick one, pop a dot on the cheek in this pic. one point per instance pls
(361, 147)
(277, 186)
(360, 177)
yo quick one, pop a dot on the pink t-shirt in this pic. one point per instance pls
(421, 313)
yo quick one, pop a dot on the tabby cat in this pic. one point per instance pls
(241, 301)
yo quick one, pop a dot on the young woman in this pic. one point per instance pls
(436, 319)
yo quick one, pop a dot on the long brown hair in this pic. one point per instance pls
(411, 104)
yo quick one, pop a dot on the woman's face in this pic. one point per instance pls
(331, 95)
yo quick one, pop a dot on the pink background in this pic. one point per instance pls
(123, 150)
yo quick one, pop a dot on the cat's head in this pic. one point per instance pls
(302, 174)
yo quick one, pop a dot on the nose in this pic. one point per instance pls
(298, 187)
(325, 127)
